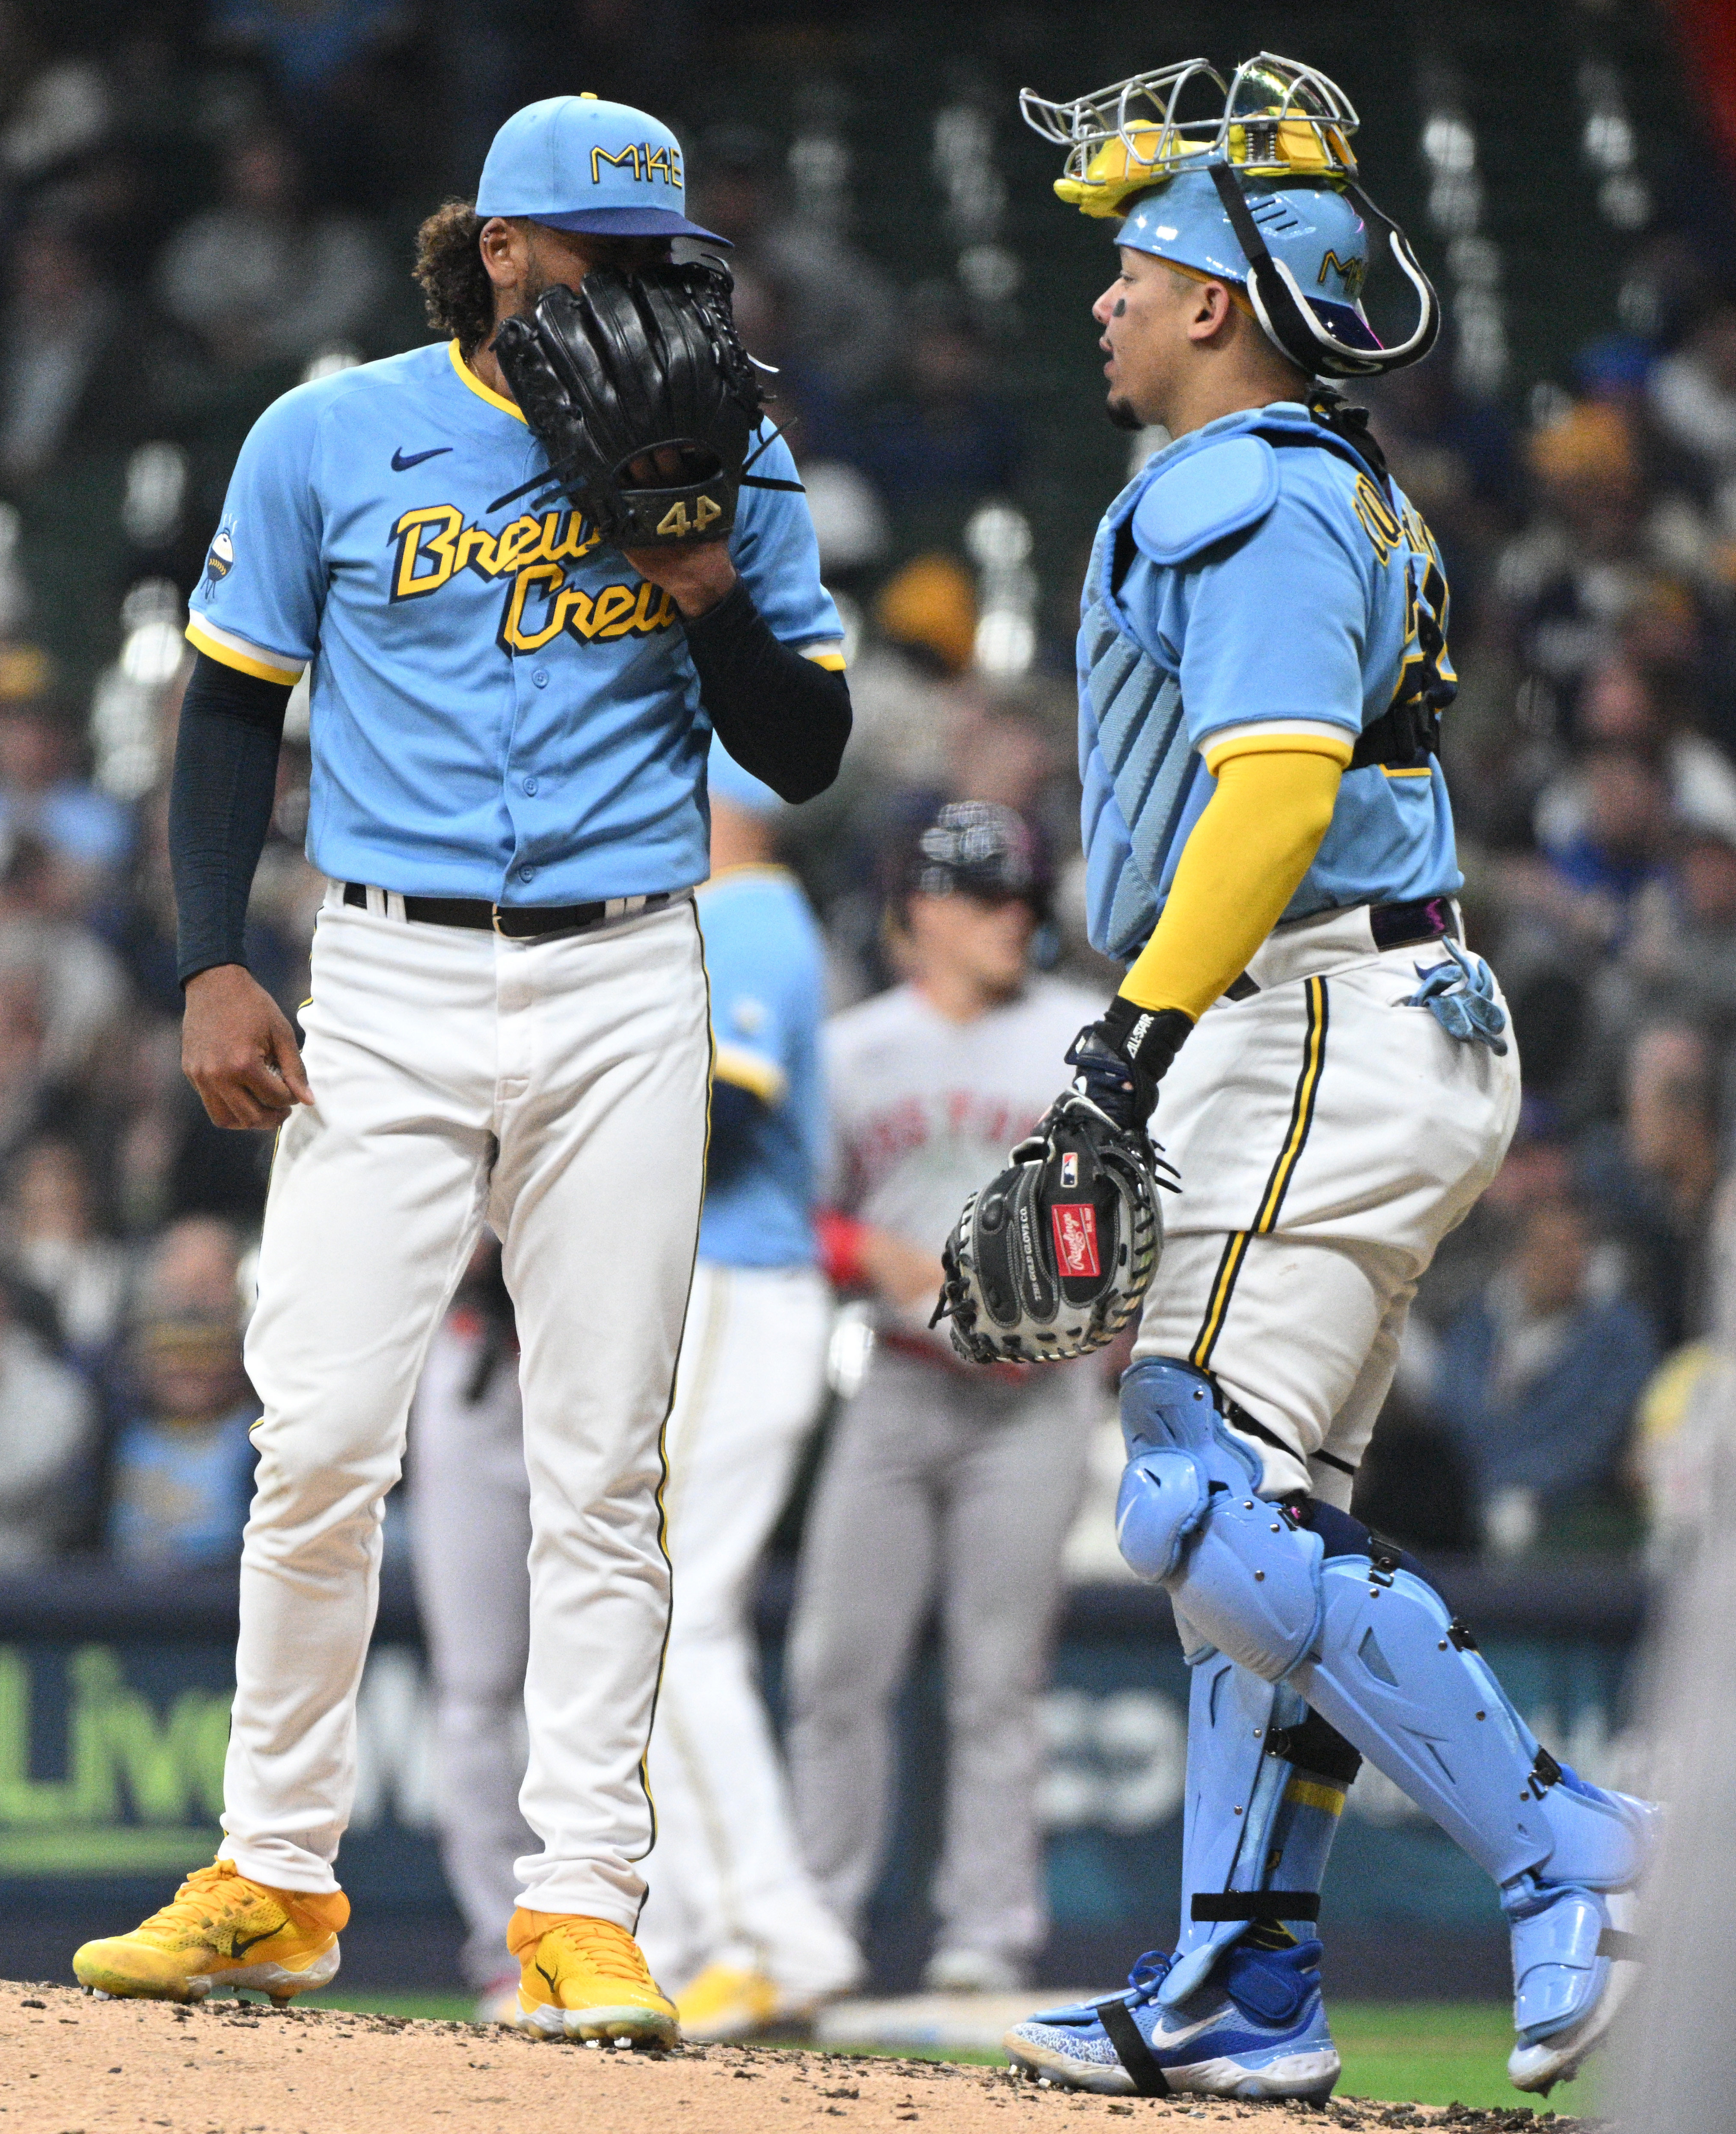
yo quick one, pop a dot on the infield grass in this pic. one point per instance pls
(1418, 2052)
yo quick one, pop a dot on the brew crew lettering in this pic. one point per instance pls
(636, 610)
(434, 544)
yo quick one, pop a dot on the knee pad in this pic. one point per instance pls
(1244, 1575)
(1158, 1509)
(1166, 1414)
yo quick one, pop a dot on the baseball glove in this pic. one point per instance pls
(1051, 1258)
(627, 365)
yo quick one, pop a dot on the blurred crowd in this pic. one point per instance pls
(218, 202)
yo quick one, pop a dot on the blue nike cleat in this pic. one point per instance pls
(1256, 2028)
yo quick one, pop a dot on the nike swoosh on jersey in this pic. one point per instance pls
(402, 458)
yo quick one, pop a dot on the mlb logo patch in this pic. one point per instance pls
(1070, 1167)
(1075, 1224)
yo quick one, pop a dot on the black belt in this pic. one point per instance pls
(1393, 926)
(518, 922)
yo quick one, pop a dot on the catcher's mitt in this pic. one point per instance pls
(1052, 1258)
(626, 364)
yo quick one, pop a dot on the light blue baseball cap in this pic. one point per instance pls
(1313, 229)
(580, 162)
(727, 780)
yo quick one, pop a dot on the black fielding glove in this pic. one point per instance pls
(1123, 1056)
(625, 364)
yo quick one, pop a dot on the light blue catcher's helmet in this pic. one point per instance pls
(1257, 186)
(1314, 231)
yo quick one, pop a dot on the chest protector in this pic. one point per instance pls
(1138, 769)
(1136, 761)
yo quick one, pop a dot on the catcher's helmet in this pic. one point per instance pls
(1260, 190)
(974, 848)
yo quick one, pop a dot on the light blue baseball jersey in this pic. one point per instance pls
(767, 968)
(501, 707)
(1251, 577)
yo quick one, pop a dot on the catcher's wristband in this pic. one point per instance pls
(1147, 1038)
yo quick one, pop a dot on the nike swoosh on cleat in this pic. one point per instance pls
(402, 459)
(238, 1948)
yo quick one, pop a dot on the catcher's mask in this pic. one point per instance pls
(1258, 187)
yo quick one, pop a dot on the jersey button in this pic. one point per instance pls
(541, 677)
(527, 874)
(531, 785)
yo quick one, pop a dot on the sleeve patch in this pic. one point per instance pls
(1206, 496)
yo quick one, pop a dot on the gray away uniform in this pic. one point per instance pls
(945, 1486)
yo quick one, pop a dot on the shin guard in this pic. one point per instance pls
(1259, 1817)
(1375, 1652)
(1396, 1676)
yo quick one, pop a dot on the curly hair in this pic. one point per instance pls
(456, 290)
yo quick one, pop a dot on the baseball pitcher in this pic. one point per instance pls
(529, 568)
(1263, 664)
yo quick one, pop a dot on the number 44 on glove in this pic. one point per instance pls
(633, 377)
(1052, 1258)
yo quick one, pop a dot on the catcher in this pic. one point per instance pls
(1263, 664)
(530, 568)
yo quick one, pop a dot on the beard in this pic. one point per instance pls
(1121, 413)
(534, 286)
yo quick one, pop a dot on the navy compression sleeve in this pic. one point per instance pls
(221, 799)
(783, 718)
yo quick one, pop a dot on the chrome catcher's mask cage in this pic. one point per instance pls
(1274, 118)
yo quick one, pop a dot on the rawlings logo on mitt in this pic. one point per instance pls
(1052, 1258)
(642, 395)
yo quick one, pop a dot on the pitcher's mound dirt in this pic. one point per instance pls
(71, 2066)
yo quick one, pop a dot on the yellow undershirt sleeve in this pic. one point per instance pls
(1244, 861)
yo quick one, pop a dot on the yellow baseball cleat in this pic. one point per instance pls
(725, 2002)
(586, 1979)
(221, 1929)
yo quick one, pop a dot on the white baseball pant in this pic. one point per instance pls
(1328, 1137)
(558, 1090)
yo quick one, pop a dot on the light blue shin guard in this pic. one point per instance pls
(1396, 1676)
(1377, 1655)
(1233, 1850)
